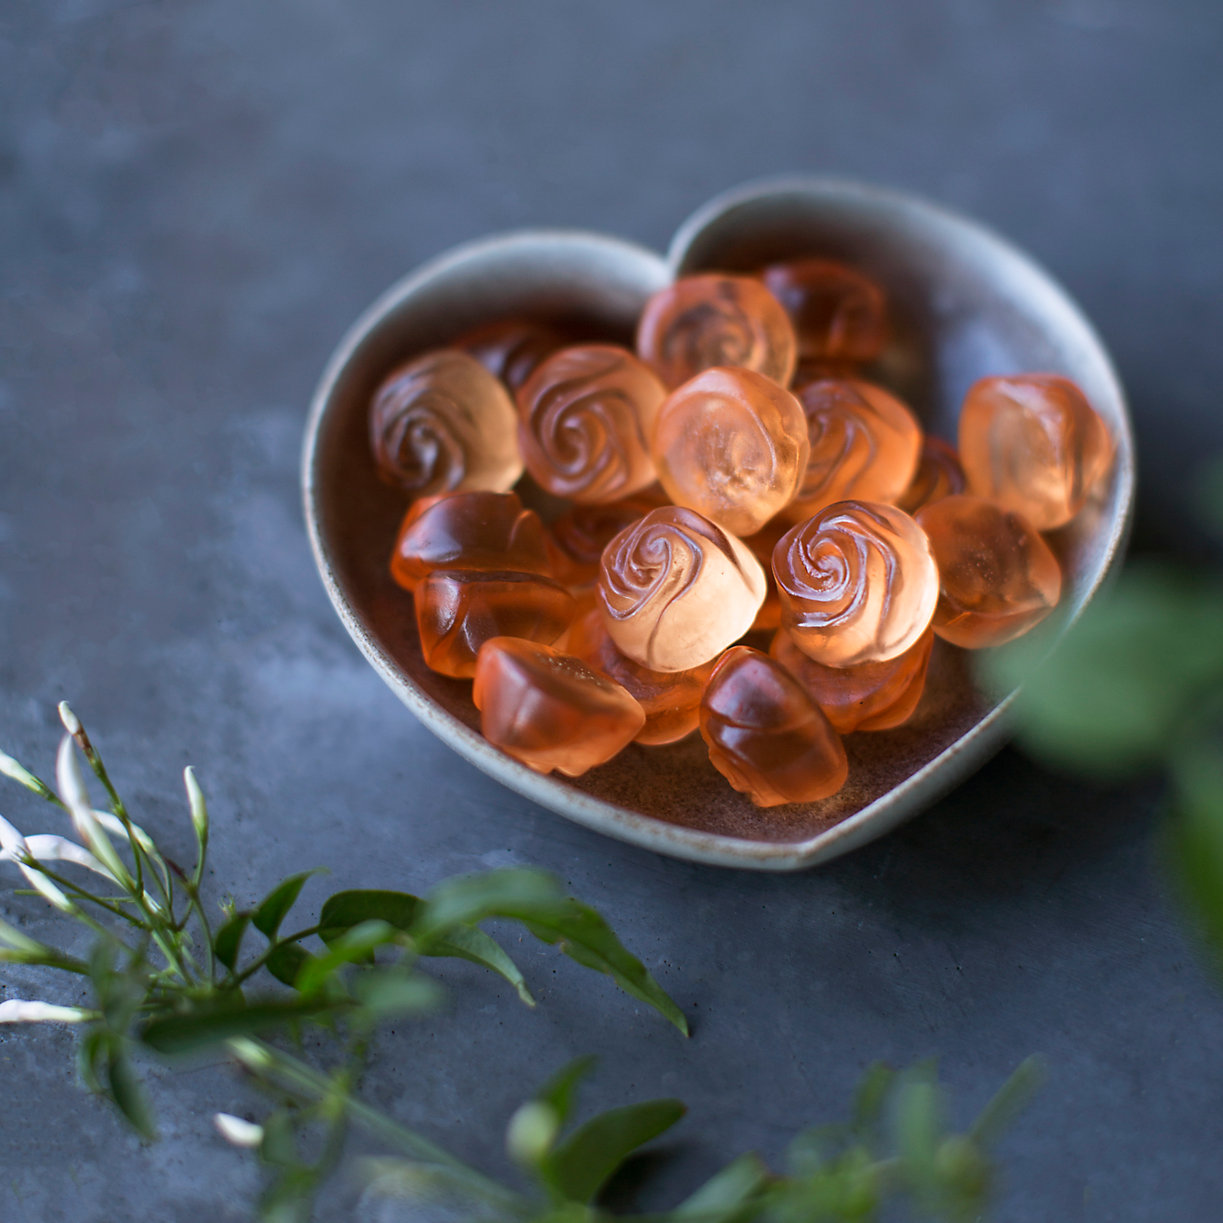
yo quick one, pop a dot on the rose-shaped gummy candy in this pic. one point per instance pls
(479, 531)
(939, 475)
(579, 535)
(670, 699)
(511, 348)
(997, 576)
(550, 710)
(1032, 443)
(457, 611)
(676, 590)
(586, 415)
(870, 696)
(703, 321)
(732, 445)
(839, 315)
(857, 583)
(442, 423)
(766, 736)
(865, 445)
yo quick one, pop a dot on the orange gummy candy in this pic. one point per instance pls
(870, 696)
(579, 535)
(939, 475)
(586, 415)
(702, 321)
(857, 583)
(732, 445)
(997, 576)
(479, 531)
(511, 348)
(458, 611)
(839, 315)
(865, 445)
(550, 710)
(442, 423)
(766, 736)
(670, 699)
(1032, 443)
(676, 590)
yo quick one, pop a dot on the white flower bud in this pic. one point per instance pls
(72, 724)
(72, 790)
(531, 1132)
(237, 1131)
(195, 798)
(18, 1010)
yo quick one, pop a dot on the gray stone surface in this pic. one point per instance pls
(196, 198)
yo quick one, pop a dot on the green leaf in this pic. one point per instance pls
(286, 962)
(579, 1167)
(127, 1092)
(343, 910)
(560, 1090)
(870, 1097)
(537, 900)
(206, 1028)
(227, 941)
(272, 910)
(1194, 841)
(1009, 1100)
(472, 944)
(387, 992)
(919, 1130)
(729, 1195)
(353, 945)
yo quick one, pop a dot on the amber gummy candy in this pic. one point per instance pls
(442, 423)
(839, 315)
(670, 699)
(676, 590)
(939, 475)
(997, 576)
(870, 696)
(550, 710)
(511, 348)
(1033, 444)
(702, 321)
(457, 611)
(585, 419)
(766, 735)
(732, 445)
(479, 531)
(857, 583)
(865, 445)
(579, 535)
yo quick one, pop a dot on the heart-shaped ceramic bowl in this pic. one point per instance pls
(965, 304)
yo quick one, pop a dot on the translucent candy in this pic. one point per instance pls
(550, 710)
(865, 445)
(442, 423)
(766, 736)
(857, 583)
(997, 576)
(839, 315)
(586, 416)
(458, 611)
(511, 348)
(732, 445)
(761, 545)
(480, 531)
(676, 590)
(579, 535)
(1033, 444)
(670, 699)
(703, 321)
(939, 475)
(870, 696)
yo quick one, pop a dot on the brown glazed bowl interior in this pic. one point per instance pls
(965, 304)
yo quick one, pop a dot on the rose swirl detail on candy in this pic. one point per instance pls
(676, 590)
(442, 423)
(585, 417)
(857, 583)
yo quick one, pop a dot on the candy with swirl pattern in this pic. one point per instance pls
(676, 589)
(857, 583)
(766, 735)
(839, 315)
(585, 419)
(550, 710)
(442, 423)
(939, 475)
(732, 445)
(865, 445)
(702, 321)
(511, 348)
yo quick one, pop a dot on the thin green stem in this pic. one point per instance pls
(237, 978)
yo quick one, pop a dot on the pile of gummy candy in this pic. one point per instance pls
(734, 475)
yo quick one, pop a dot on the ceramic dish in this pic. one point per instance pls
(965, 303)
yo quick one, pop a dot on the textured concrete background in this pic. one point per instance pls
(196, 198)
